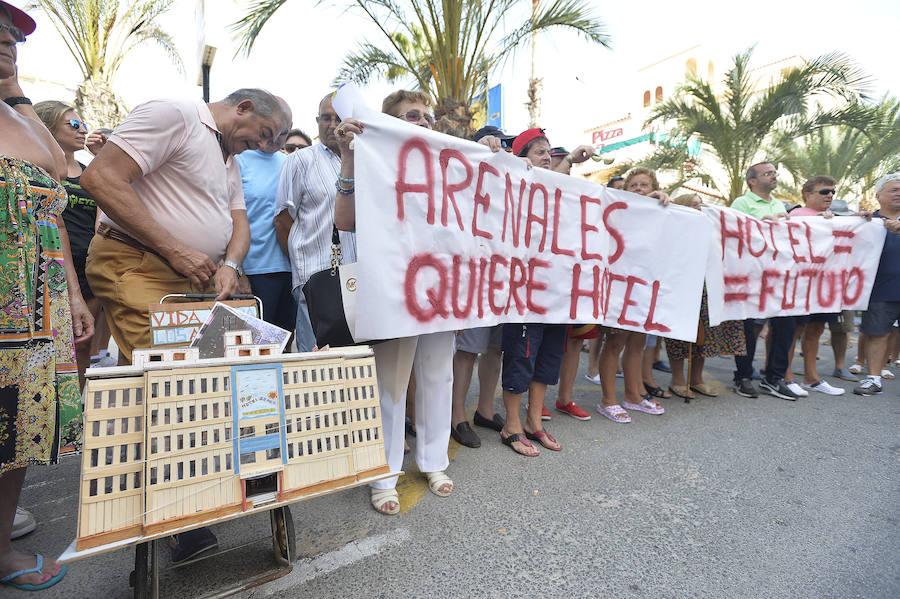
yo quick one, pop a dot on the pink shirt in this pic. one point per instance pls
(804, 211)
(187, 187)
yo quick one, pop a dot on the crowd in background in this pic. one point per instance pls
(227, 197)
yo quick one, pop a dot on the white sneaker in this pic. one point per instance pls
(796, 389)
(822, 386)
(594, 379)
(856, 368)
(23, 523)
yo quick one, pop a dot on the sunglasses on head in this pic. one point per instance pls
(76, 124)
(826, 192)
(13, 31)
(414, 116)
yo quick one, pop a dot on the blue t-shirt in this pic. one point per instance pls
(259, 175)
(887, 279)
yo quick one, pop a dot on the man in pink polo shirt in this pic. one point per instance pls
(173, 206)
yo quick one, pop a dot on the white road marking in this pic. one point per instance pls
(306, 570)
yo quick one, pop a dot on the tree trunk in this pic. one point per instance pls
(98, 104)
(453, 118)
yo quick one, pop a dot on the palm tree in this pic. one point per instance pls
(743, 124)
(449, 48)
(100, 34)
(855, 158)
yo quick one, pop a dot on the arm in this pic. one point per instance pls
(345, 204)
(108, 179)
(82, 321)
(226, 278)
(283, 223)
(576, 156)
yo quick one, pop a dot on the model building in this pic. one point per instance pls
(175, 440)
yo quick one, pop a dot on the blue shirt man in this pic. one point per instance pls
(267, 267)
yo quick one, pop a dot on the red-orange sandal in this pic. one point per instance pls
(545, 439)
(519, 438)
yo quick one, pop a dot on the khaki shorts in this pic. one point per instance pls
(844, 322)
(127, 281)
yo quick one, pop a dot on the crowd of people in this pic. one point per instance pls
(227, 197)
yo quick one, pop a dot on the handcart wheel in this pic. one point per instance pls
(284, 539)
(140, 576)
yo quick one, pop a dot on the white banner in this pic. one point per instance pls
(803, 265)
(452, 236)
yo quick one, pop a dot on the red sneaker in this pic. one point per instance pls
(545, 413)
(572, 410)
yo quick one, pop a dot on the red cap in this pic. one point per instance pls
(19, 18)
(525, 137)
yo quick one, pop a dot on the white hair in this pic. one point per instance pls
(879, 187)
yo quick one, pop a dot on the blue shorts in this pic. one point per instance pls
(879, 318)
(532, 352)
(818, 318)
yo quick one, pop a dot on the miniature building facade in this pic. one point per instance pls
(174, 439)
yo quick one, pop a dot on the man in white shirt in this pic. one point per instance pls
(304, 214)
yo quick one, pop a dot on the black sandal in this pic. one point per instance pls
(656, 392)
(519, 438)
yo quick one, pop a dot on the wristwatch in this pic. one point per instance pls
(237, 267)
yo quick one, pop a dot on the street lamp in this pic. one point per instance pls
(206, 60)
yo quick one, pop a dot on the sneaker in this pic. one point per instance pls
(620, 375)
(823, 387)
(572, 410)
(594, 379)
(856, 368)
(107, 361)
(844, 374)
(797, 389)
(545, 413)
(868, 387)
(778, 388)
(746, 388)
(662, 366)
(23, 523)
(193, 543)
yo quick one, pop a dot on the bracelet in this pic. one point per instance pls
(13, 100)
(345, 179)
(342, 191)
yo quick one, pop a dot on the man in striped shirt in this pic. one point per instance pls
(304, 213)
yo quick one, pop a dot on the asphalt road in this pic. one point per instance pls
(724, 497)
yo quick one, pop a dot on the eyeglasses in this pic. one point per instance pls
(13, 31)
(75, 124)
(328, 118)
(291, 148)
(415, 116)
(826, 192)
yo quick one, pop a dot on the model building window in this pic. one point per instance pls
(308, 423)
(356, 393)
(309, 449)
(93, 487)
(299, 425)
(98, 400)
(319, 445)
(228, 433)
(318, 422)
(94, 457)
(124, 425)
(126, 393)
(243, 352)
(156, 357)
(248, 458)
(371, 390)
(192, 413)
(287, 401)
(153, 447)
(369, 370)
(123, 454)
(167, 473)
(215, 407)
(326, 421)
(288, 427)
(192, 387)
(107, 485)
(344, 418)
(139, 397)
(204, 470)
(368, 434)
(193, 440)
(137, 423)
(333, 396)
(167, 443)
(203, 412)
(123, 482)
(247, 432)
(179, 415)
(290, 448)
(215, 435)
(203, 385)
(179, 387)
(284, 377)
(306, 400)
(227, 461)
(375, 432)
(154, 417)
(95, 428)
(363, 392)
(153, 476)
(167, 388)
(154, 390)
(179, 442)
(192, 471)
(273, 454)
(217, 464)
(111, 402)
(180, 470)
(167, 415)
(110, 427)
(137, 480)
(215, 384)
(227, 407)
(137, 452)
(225, 383)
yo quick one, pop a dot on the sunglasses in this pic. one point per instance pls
(75, 124)
(13, 31)
(290, 148)
(415, 116)
(826, 192)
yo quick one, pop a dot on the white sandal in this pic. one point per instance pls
(887, 374)
(382, 497)
(436, 480)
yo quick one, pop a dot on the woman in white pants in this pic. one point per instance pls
(432, 354)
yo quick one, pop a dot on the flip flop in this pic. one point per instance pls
(39, 564)
(545, 439)
(520, 438)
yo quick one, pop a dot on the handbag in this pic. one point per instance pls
(324, 301)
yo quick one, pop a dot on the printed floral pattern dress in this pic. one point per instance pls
(38, 375)
(724, 339)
